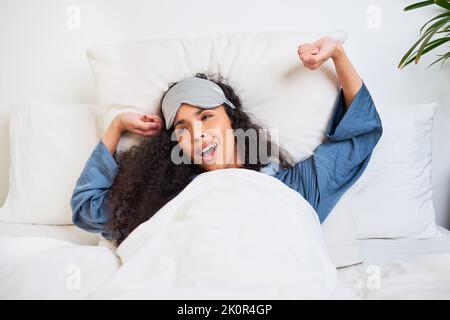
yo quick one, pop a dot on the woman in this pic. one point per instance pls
(202, 119)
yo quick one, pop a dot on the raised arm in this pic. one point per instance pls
(313, 55)
(352, 133)
(90, 209)
(112, 135)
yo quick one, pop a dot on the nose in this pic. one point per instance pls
(199, 137)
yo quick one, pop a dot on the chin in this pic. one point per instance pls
(212, 167)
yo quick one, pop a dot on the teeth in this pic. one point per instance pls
(208, 148)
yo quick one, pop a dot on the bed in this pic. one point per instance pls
(392, 269)
(366, 249)
(399, 269)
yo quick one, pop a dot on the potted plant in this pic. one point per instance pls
(437, 27)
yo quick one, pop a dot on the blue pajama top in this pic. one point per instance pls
(321, 179)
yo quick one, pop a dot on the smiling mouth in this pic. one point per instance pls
(209, 152)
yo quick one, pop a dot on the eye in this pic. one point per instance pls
(206, 116)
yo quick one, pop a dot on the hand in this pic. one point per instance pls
(313, 55)
(144, 124)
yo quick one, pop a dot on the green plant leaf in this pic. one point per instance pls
(433, 44)
(425, 43)
(438, 24)
(443, 57)
(443, 3)
(418, 5)
(445, 14)
(408, 53)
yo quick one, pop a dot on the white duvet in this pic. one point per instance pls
(230, 234)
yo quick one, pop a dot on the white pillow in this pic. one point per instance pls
(263, 68)
(394, 197)
(340, 235)
(265, 71)
(50, 144)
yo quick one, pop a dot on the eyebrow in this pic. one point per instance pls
(182, 120)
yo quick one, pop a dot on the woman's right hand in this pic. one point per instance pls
(144, 124)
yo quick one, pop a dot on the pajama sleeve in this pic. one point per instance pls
(335, 165)
(90, 210)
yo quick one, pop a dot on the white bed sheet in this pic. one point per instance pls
(399, 269)
(408, 268)
(374, 251)
(69, 233)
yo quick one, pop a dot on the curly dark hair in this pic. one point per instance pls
(148, 179)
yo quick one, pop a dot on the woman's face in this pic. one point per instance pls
(206, 136)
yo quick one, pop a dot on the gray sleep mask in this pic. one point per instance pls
(195, 91)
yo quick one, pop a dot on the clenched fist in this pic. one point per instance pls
(144, 124)
(313, 55)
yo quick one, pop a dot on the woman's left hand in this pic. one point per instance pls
(313, 55)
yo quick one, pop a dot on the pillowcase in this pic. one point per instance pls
(264, 70)
(394, 197)
(339, 230)
(50, 144)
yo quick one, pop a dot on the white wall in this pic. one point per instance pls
(42, 59)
